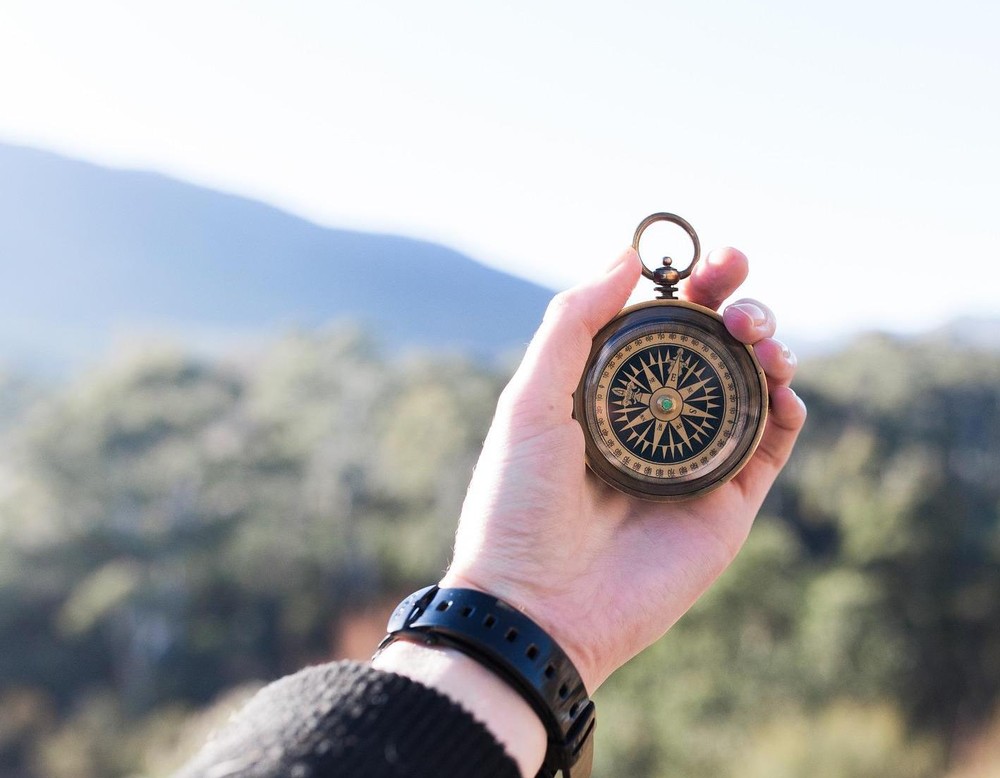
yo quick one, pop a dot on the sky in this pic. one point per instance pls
(851, 150)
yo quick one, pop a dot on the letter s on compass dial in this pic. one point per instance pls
(671, 404)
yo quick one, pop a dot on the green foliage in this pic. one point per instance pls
(900, 469)
(172, 528)
(859, 629)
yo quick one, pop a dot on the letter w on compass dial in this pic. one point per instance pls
(666, 404)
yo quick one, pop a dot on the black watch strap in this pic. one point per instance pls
(522, 653)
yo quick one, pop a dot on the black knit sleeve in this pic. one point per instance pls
(347, 719)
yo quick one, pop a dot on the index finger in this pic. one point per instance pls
(716, 277)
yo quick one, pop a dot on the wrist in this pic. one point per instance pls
(516, 651)
(534, 607)
(487, 697)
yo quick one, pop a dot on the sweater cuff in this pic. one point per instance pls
(346, 718)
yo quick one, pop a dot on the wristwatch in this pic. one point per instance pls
(514, 647)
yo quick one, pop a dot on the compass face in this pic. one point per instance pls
(672, 405)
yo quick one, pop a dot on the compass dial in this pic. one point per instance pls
(671, 404)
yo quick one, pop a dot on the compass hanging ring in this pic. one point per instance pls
(672, 406)
(667, 274)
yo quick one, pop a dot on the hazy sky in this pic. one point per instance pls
(851, 149)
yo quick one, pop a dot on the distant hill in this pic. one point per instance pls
(975, 332)
(88, 253)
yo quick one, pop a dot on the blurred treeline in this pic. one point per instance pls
(175, 531)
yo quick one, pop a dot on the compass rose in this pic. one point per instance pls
(666, 403)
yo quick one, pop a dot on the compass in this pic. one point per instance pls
(671, 404)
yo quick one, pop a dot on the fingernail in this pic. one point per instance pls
(786, 353)
(753, 312)
(714, 257)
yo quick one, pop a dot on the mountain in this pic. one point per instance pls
(971, 331)
(88, 253)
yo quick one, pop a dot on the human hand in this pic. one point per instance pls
(604, 573)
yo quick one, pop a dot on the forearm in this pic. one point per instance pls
(347, 718)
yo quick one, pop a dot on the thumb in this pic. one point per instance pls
(542, 388)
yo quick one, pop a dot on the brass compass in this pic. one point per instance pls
(671, 404)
